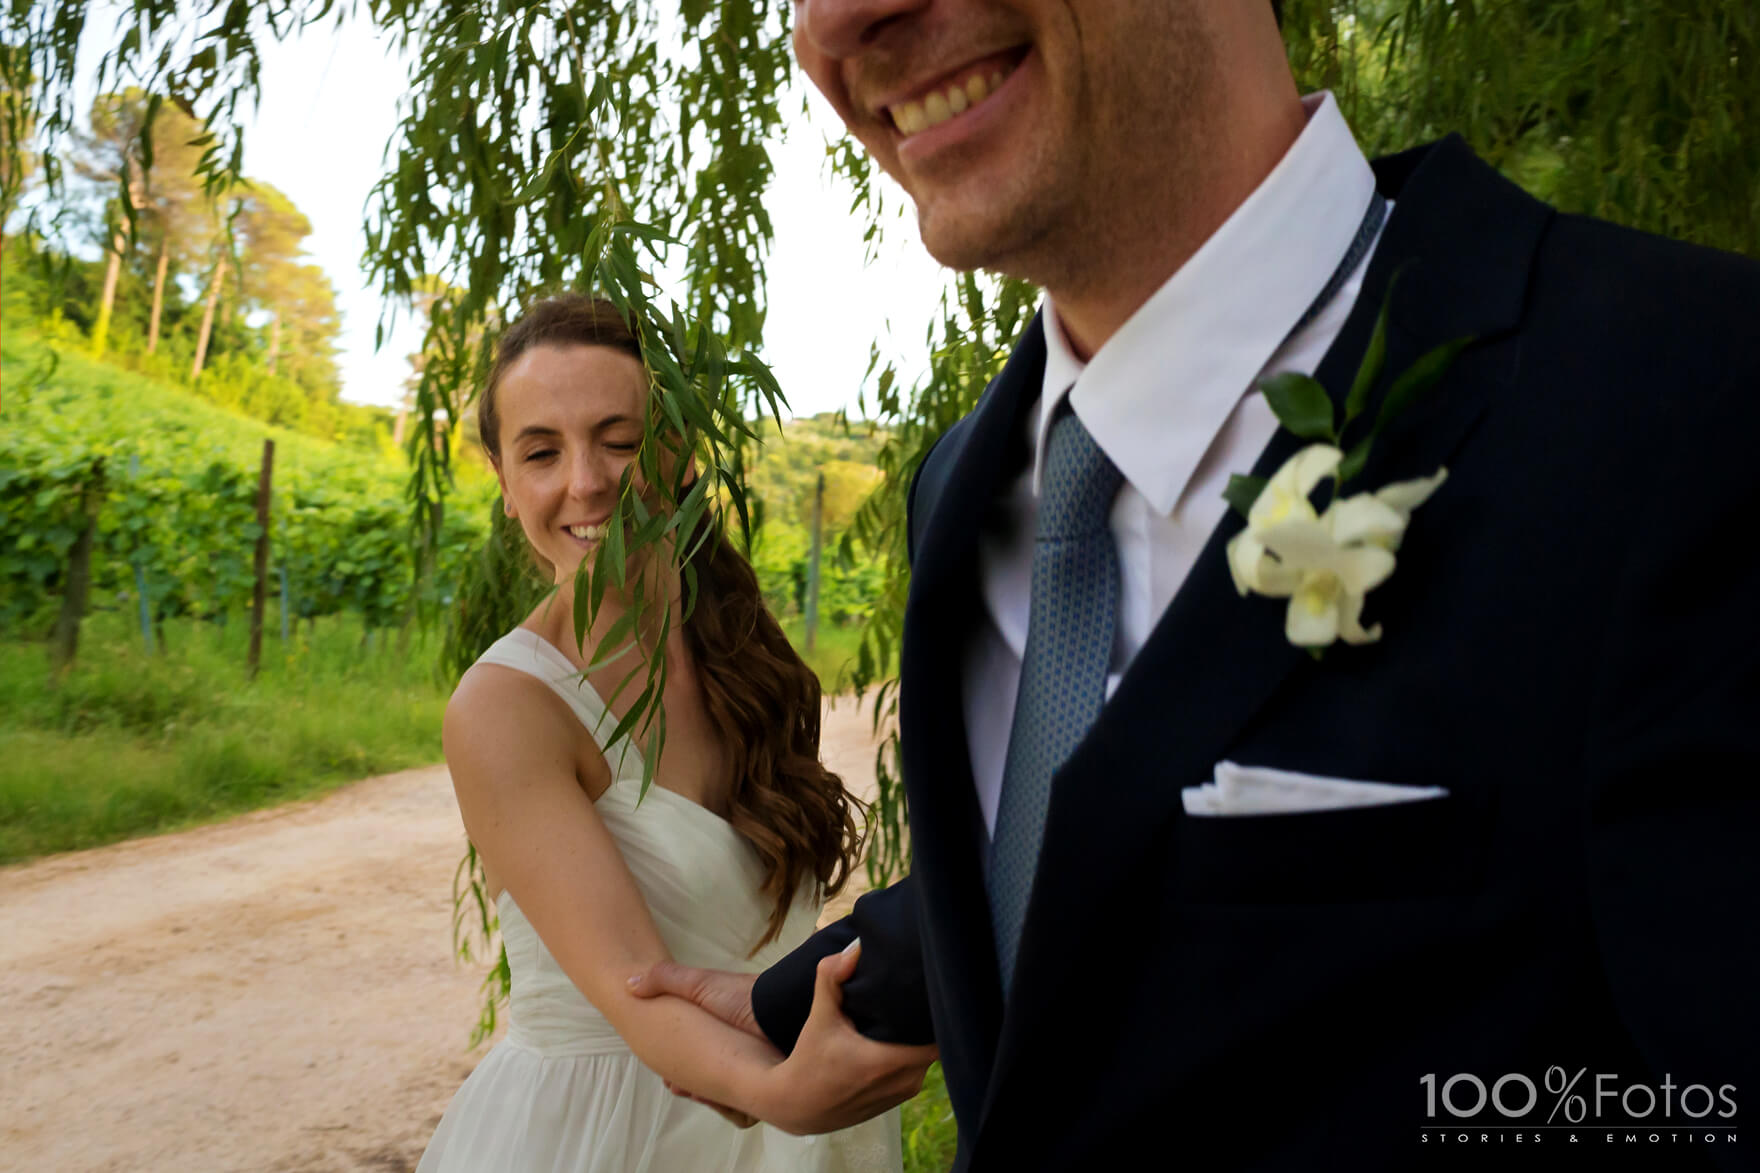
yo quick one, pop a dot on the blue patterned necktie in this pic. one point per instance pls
(1070, 625)
(1071, 622)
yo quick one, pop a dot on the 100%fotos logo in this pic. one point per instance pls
(1514, 1096)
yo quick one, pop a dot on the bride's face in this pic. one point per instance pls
(571, 422)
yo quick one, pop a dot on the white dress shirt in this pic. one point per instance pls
(1170, 399)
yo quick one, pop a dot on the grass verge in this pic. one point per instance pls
(833, 653)
(930, 1137)
(127, 743)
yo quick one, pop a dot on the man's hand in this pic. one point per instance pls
(727, 996)
(837, 1077)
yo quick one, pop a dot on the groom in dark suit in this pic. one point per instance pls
(1180, 886)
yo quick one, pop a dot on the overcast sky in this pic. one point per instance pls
(330, 106)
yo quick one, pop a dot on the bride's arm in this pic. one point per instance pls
(511, 747)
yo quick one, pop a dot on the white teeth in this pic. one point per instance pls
(938, 107)
(587, 533)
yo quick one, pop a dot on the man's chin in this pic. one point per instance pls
(992, 240)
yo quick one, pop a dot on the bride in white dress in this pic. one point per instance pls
(722, 864)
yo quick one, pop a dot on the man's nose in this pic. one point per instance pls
(842, 28)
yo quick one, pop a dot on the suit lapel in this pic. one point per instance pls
(1464, 238)
(947, 827)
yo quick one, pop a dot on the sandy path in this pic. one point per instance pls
(272, 993)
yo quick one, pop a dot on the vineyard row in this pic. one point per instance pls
(180, 540)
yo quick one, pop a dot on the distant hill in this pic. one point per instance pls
(56, 395)
(786, 469)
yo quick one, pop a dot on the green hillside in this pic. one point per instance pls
(157, 723)
(56, 395)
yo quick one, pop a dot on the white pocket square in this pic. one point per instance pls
(1257, 790)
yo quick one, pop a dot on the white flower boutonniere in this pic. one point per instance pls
(1324, 563)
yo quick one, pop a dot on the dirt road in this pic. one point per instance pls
(274, 993)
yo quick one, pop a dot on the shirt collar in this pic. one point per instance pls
(1157, 393)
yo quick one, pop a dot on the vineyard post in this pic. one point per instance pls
(259, 594)
(812, 605)
(140, 590)
(282, 572)
(140, 573)
(79, 571)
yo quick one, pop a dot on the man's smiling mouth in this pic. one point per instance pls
(964, 90)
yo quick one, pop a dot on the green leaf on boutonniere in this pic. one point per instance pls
(1353, 461)
(1242, 492)
(1373, 360)
(1418, 377)
(1300, 404)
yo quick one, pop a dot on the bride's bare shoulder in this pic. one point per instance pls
(495, 692)
(501, 721)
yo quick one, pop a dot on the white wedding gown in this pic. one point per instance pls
(562, 1093)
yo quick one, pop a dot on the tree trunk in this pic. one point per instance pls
(158, 292)
(195, 371)
(274, 340)
(101, 331)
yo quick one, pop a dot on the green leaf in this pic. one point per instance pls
(688, 509)
(1243, 491)
(1418, 378)
(613, 551)
(631, 716)
(1301, 404)
(1374, 359)
(717, 363)
(612, 646)
(585, 603)
(1353, 461)
(647, 232)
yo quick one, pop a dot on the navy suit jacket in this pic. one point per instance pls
(1571, 650)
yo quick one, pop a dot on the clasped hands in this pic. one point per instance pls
(836, 1077)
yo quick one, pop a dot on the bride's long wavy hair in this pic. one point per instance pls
(762, 698)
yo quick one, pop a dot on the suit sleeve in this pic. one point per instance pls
(886, 999)
(1674, 760)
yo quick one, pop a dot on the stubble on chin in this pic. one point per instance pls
(1012, 234)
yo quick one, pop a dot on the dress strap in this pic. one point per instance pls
(527, 651)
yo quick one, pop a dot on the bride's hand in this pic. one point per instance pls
(728, 996)
(836, 1076)
(737, 1118)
